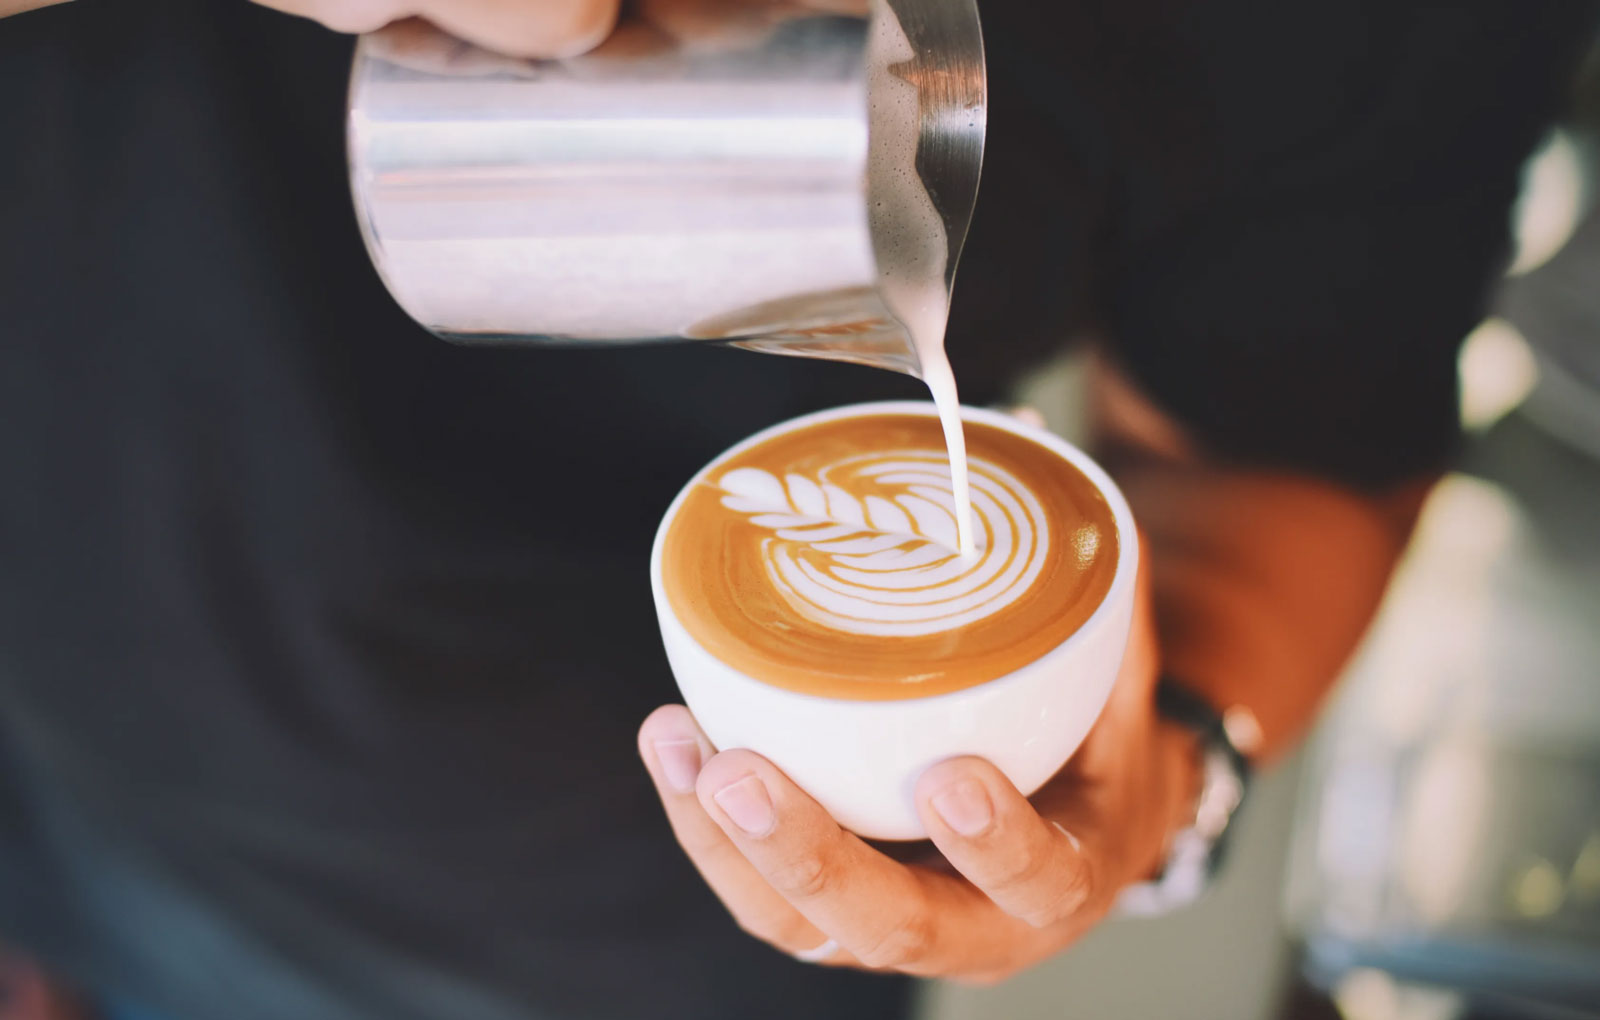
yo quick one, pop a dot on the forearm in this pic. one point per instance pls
(1264, 582)
(18, 6)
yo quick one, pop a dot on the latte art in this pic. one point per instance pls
(826, 559)
(869, 546)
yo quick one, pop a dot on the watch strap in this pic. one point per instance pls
(1195, 852)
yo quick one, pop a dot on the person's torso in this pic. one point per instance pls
(323, 642)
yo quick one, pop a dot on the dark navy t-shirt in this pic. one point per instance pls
(323, 642)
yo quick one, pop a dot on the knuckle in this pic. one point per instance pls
(1066, 900)
(699, 843)
(1049, 914)
(584, 25)
(1017, 872)
(904, 945)
(774, 931)
(793, 934)
(805, 877)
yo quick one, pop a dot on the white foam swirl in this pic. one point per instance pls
(888, 565)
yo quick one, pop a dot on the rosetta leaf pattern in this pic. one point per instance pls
(809, 509)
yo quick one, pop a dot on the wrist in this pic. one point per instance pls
(1205, 775)
(1184, 762)
(1179, 774)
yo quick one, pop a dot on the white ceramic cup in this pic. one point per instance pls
(861, 759)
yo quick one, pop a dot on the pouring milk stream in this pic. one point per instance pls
(793, 182)
(912, 246)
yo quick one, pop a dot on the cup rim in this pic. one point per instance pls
(1122, 581)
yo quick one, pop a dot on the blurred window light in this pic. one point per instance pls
(1356, 824)
(1537, 889)
(1368, 994)
(1445, 817)
(1584, 883)
(1550, 205)
(1497, 372)
(1435, 628)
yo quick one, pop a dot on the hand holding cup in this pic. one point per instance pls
(858, 680)
(1016, 879)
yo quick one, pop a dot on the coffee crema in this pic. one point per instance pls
(824, 560)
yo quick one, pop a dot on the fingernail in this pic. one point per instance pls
(748, 804)
(964, 806)
(680, 763)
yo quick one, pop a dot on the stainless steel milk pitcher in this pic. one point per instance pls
(695, 178)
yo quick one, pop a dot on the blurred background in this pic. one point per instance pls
(1434, 852)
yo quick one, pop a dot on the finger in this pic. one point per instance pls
(9, 7)
(418, 44)
(1028, 415)
(549, 28)
(886, 915)
(673, 748)
(1033, 869)
(343, 15)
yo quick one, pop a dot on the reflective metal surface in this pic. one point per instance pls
(701, 176)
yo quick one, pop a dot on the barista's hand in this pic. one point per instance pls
(565, 28)
(18, 6)
(1018, 881)
(522, 28)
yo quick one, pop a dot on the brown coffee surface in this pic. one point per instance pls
(824, 560)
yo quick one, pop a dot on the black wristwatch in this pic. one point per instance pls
(1195, 852)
